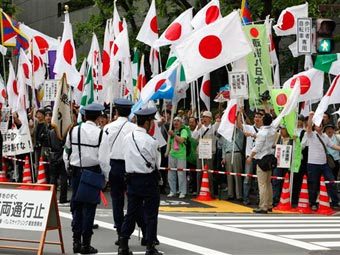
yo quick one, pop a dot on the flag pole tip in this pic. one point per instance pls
(66, 8)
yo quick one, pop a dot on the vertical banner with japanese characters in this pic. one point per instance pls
(24, 209)
(238, 81)
(258, 61)
(50, 90)
(304, 36)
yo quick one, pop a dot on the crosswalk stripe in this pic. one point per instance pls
(280, 225)
(312, 236)
(328, 244)
(257, 217)
(269, 221)
(289, 230)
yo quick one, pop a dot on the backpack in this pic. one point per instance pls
(187, 142)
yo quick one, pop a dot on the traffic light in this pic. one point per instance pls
(324, 34)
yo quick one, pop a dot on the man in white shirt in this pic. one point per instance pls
(264, 146)
(142, 157)
(318, 143)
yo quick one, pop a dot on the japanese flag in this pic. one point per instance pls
(108, 42)
(148, 33)
(78, 90)
(66, 56)
(311, 82)
(331, 97)
(12, 88)
(39, 69)
(207, 15)
(117, 23)
(287, 22)
(213, 46)
(226, 128)
(205, 90)
(3, 93)
(177, 30)
(121, 44)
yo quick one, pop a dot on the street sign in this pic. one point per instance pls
(304, 36)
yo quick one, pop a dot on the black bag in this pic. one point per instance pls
(267, 163)
(91, 183)
(330, 159)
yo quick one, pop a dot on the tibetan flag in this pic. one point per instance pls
(8, 30)
(245, 13)
(329, 63)
(259, 68)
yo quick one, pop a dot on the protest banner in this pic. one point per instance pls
(283, 154)
(16, 143)
(50, 90)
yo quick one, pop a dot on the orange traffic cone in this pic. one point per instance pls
(324, 206)
(26, 177)
(284, 204)
(303, 205)
(41, 175)
(3, 173)
(205, 191)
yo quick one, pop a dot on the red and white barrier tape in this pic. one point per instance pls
(22, 160)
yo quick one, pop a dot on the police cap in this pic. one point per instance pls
(94, 107)
(146, 113)
(123, 103)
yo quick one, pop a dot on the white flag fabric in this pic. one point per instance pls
(3, 50)
(287, 22)
(207, 15)
(331, 97)
(291, 104)
(154, 61)
(62, 116)
(177, 30)
(21, 81)
(213, 46)
(148, 33)
(205, 90)
(66, 56)
(39, 70)
(311, 84)
(3, 92)
(273, 56)
(117, 23)
(108, 42)
(78, 90)
(12, 88)
(156, 133)
(228, 120)
(121, 44)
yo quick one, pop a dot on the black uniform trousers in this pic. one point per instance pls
(117, 182)
(143, 193)
(82, 213)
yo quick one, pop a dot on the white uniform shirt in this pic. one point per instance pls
(107, 149)
(148, 146)
(316, 152)
(250, 140)
(264, 142)
(89, 139)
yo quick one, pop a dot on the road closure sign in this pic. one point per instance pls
(24, 209)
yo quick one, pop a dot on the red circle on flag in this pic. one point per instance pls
(232, 114)
(305, 83)
(212, 14)
(254, 32)
(206, 88)
(210, 47)
(26, 70)
(154, 25)
(120, 26)
(42, 44)
(159, 84)
(106, 62)
(281, 99)
(36, 63)
(81, 83)
(288, 21)
(3, 93)
(68, 52)
(15, 87)
(174, 32)
(115, 49)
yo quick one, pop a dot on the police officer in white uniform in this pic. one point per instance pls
(142, 158)
(112, 161)
(80, 154)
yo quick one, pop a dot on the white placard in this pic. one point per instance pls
(205, 148)
(24, 209)
(238, 81)
(50, 90)
(15, 143)
(304, 35)
(5, 115)
(283, 154)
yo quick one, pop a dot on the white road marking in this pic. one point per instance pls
(164, 240)
(115, 253)
(269, 221)
(312, 236)
(328, 244)
(280, 225)
(256, 217)
(288, 230)
(280, 239)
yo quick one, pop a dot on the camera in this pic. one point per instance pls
(265, 96)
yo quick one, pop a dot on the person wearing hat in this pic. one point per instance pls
(81, 151)
(329, 130)
(142, 158)
(206, 130)
(112, 161)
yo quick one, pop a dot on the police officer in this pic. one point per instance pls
(112, 161)
(142, 158)
(81, 150)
